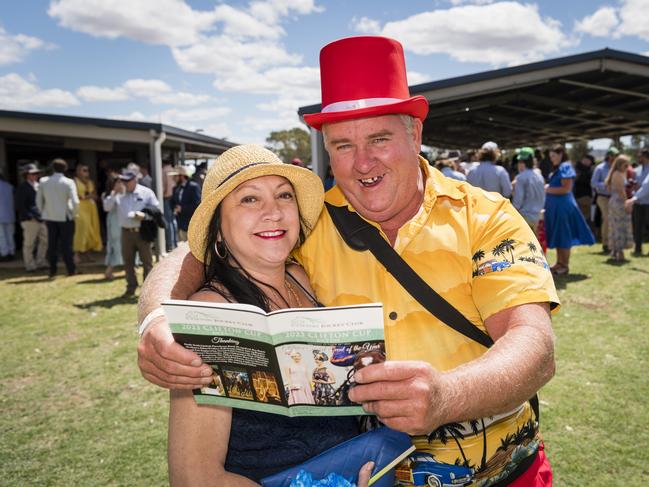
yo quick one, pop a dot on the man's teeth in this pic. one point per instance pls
(370, 180)
(276, 233)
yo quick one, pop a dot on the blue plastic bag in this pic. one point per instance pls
(382, 446)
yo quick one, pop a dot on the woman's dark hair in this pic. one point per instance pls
(239, 285)
(559, 149)
(318, 355)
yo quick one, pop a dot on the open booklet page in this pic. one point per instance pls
(296, 362)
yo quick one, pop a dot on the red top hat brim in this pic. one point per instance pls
(417, 106)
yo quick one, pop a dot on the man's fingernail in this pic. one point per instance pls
(206, 372)
(368, 466)
(196, 362)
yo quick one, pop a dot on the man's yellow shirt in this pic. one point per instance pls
(475, 250)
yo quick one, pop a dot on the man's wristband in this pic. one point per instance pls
(148, 319)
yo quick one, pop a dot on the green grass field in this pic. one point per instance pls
(75, 410)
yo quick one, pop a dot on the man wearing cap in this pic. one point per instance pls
(640, 202)
(58, 202)
(529, 189)
(131, 198)
(465, 243)
(34, 229)
(489, 176)
(186, 198)
(598, 184)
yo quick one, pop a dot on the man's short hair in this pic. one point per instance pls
(644, 153)
(408, 122)
(59, 165)
(590, 158)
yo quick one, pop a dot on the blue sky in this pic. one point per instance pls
(239, 70)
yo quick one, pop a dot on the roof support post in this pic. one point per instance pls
(319, 156)
(4, 166)
(156, 159)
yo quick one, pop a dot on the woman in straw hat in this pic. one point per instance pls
(254, 211)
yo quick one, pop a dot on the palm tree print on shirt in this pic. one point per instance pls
(477, 257)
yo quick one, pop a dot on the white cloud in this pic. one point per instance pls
(365, 25)
(100, 93)
(183, 117)
(635, 18)
(465, 33)
(416, 78)
(249, 67)
(14, 48)
(208, 120)
(299, 82)
(134, 117)
(156, 91)
(238, 23)
(265, 125)
(221, 55)
(180, 98)
(600, 24)
(174, 22)
(17, 93)
(146, 87)
(270, 11)
(240, 45)
(167, 22)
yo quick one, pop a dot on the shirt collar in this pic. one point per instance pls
(437, 185)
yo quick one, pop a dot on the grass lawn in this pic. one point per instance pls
(75, 410)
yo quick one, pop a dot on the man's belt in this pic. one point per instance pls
(131, 229)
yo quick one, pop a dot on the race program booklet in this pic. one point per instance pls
(295, 361)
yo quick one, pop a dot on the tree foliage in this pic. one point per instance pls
(288, 144)
(579, 150)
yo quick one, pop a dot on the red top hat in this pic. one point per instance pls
(364, 77)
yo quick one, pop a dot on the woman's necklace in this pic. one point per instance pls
(291, 294)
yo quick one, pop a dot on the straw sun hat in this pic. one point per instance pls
(240, 164)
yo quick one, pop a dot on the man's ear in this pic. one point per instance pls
(417, 129)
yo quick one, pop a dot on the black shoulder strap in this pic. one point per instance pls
(360, 235)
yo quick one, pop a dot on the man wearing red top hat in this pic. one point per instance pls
(437, 383)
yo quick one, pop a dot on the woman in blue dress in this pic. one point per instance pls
(565, 226)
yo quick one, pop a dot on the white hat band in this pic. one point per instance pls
(343, 106)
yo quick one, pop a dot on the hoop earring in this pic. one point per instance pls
(218, 254)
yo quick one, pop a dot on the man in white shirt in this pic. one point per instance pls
(131, 198)
(489, 176)
(529, 189)
(58, 202)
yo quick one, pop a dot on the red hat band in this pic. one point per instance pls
(364, 77)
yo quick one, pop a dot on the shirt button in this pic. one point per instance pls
(392, 315)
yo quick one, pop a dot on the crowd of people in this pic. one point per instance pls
(566, 203)
(65, 215)
(440, 379)
(260, 235)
